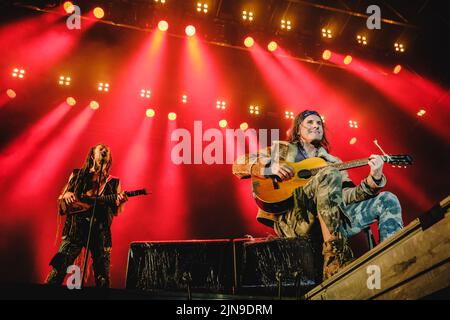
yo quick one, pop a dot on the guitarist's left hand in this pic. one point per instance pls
(121, 198)
(376, 166)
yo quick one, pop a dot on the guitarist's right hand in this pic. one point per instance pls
(69, 197)
(283, 171)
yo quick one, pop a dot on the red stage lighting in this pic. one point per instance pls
(71, 101)
(397, 69)
(348, 59)
(326, 55)
(221, 104)
(353, 140)
(249, 42)
(145, 93)
(190, 30)
(172, 116)
(421, 113)
(99, 13)
(163, 25)
(289, 115)
(353, 124)
(11, 93)
(18, 73)
(94, 105)
(326, 33)
(68, 7)
(244, 126)
(103, 87)
(272, 46)
(184, 98)
(64, 80)
(254, 110)
(223, 123)
(150, 113)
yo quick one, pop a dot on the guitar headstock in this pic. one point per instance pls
(400, 160)
(137, 192)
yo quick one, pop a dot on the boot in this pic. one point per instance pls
(336, 255)
(55, 277)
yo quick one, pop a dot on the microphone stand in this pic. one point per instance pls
(91, 223)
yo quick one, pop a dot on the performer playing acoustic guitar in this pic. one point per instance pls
(342, 208)
(83, 182)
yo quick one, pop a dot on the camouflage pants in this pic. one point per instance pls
(70, 249)
(324, 195)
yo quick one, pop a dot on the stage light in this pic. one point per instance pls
(202, 7)
(323, 119)
(397, 69)
(11, 93)
(223, 123)
(285, 24)
(289, 115)
(326, 54)
(254, 110)
(272, 46)
(353, 124)
(163, 25)
(399, 47)
(145, 93)
(18, 73)
(150, 113)
(421, 112)
(190, 30)
(64, 81)
(161, 1)
(249, 42)
(94, 105)
(221, 104)
(103, 87)
(68, 7)
(244, 126)
(361, 39)
(353, 140)
(326, 33)
(247, 15)
(172, 116)
(184, 98)
(99, 13)
(348, 59)
(71, 101)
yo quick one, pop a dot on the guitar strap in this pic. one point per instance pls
(104, 184)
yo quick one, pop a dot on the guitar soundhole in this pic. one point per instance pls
(304, 174)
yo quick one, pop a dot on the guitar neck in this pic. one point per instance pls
(351, 164)
(111, 198)
(346, 165)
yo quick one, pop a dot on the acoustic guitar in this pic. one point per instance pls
(274, 195)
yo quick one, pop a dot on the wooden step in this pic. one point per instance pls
(413, 264)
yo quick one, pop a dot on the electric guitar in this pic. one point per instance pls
(274, 195)
(84, 203)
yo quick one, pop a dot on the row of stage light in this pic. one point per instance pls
(248, 16)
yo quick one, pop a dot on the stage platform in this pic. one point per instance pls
(413, 264)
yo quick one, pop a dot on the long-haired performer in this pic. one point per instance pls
(84, 183)
(330, 197)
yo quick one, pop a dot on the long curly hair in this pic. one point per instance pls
(82, 178)
(294, 134)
